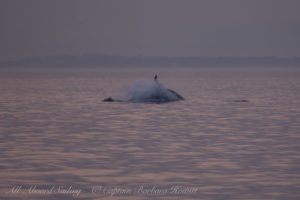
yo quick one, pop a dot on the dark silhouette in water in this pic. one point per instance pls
(241, 100)
(155, 78)
(109, 99)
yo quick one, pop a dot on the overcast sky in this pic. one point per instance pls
(149, 27)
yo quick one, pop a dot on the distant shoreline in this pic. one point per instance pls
(100, 60)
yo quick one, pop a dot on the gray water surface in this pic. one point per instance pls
(55, 132)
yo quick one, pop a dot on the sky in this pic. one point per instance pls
(31, 28)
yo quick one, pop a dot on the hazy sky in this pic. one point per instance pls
(149, 27)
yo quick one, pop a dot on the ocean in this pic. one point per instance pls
(236, 135)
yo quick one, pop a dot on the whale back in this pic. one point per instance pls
(176, 94)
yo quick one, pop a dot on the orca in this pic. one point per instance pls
(176, 94)
(108, 99)
(241, 100)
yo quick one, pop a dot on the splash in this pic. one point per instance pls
(144, 91)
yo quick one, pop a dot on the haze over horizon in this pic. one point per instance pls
(149, 28)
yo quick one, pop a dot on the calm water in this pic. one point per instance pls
(60, 141)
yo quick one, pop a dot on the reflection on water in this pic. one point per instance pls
(57, 134)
